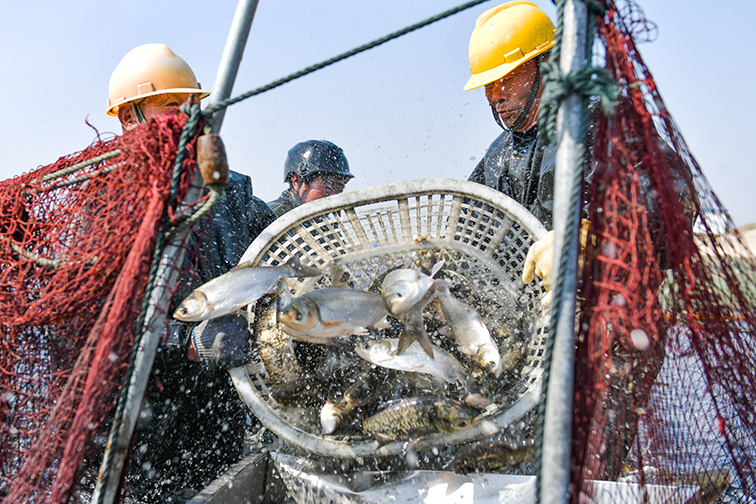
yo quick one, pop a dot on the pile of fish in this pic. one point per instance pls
(407, 358)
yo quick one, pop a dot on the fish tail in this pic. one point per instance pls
(414, 330)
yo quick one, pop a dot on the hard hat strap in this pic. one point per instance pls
(138, 114)
(295, 196)
(531, 98)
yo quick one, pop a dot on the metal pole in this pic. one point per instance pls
(114, 459)
(232, 55)
(555, 465)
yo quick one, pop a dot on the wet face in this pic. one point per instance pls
(510, 94)
(321, 186)
(150, 107)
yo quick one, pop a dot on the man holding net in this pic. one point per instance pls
(192, 422)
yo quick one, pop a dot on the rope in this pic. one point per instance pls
(83, 178)
(318, 66)
(216, 190)
(83, 164)
(74, 168)
(42, 261)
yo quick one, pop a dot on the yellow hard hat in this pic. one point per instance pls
(504, 38)
(148, 70)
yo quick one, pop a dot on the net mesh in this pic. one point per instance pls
(665, 368)
(77, 239)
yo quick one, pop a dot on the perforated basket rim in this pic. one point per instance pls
(268, 240)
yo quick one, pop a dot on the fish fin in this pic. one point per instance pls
(436, 268)
(360, 331)
(284, 295)
(245, 264)
(300, 270)
(383, 323)
(337, 275)
(414, 330)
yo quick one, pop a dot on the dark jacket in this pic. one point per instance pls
(522, 167)
(283, 204)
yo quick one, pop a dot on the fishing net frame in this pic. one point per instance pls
(364, 233)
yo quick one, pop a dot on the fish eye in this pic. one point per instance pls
(298, 316)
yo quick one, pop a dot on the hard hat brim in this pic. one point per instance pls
(481, 79)
(113, 109)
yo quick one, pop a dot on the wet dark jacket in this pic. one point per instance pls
(283, 204)
(193, 423)
(521, 166)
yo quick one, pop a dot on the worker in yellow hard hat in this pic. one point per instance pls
(507, 47)
(194, 423)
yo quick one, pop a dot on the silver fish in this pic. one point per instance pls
(468, 329)
(405, 287)
(237, 288)
(320, 315)
(383, 353)
(416, 417)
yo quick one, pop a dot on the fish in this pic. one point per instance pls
(274, 345)
(487, 456)
(358, 394)
(242, 285)
(414, 418)
(383, 353)
(468, 329)
(320, 315)
(404, 287)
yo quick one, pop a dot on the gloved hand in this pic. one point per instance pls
(540, 259)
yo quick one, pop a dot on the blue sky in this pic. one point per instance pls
(398, 111)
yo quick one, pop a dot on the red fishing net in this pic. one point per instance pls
(75, 256)
(665, 376)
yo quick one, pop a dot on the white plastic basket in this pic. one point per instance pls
(478, 232)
